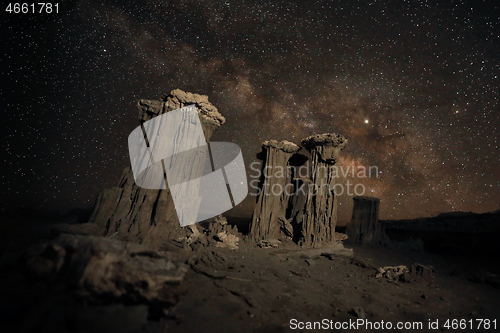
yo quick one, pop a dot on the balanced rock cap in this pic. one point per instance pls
(326, 139)
(327, 146)
(179, 98)
(285, 145)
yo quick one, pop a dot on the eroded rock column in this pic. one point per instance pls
(147, 216)
(320, 211)
(364, 227)
(269, 219)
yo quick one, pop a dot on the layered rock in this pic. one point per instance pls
(298, 203)
(297, 206)
(102, 270)
(269, 220)
(147, 216)
(320, 211)
(364, 227)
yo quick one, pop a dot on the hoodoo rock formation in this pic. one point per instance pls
(128, 212)
(301, 208)
(269, 219)
(320, 213)
(364, 227)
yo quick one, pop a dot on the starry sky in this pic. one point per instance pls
(413, 85)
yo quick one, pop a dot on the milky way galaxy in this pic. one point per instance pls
(413, 85)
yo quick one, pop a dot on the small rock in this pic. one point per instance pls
(310, 262)
(358, 312)
(269, 243)
(227, 240)
(419, 273)
(392, 273)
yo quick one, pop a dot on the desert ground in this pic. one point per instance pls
(278, 288)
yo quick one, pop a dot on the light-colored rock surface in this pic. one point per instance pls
(327, 145)
(269, 219)
(320, 211)
(128, 212)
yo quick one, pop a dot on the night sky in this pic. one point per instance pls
(413, 85)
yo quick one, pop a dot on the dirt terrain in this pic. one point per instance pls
(255, 289)
(261, 290)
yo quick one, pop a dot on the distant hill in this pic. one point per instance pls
(451, 222)
(454, 233)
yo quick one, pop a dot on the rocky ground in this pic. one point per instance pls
(250, 289)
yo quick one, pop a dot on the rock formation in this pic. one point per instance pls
(102, 270)
(298, 203)
(452, 233)
(295, 206)
(417, 273)
(269, 220)
(128, 212)
(320, 212)
(364, 227)
(215, 232)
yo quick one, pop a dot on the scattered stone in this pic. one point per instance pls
(220, 234)
(392, 273)
(417, 273)
(195, 234)
(225, 240)
(358, 312)
(269, 243)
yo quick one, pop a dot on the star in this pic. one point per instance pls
(413, 88)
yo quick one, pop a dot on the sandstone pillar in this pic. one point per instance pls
(320, 212)
(364, 227)
(147, 216)
(269, 219)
